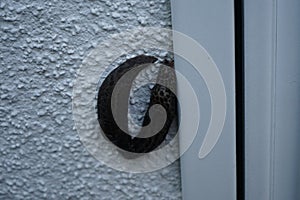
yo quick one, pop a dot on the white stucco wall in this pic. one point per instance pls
(42, 46)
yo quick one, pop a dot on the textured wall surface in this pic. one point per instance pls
(42, 46)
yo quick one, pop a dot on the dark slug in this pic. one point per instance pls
(159, 95)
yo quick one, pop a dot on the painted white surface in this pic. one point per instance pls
(210, 23)
(42, 44)
(272, 73)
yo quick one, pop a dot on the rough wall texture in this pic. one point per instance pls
(42, 45)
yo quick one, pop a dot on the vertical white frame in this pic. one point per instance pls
(272, 94)
(210, 23)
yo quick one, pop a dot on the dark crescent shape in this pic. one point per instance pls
(159, 95)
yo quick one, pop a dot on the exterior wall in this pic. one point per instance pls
(42, 46)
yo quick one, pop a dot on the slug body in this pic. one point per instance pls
(159, 95)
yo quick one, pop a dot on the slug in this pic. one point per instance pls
(159, 95)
